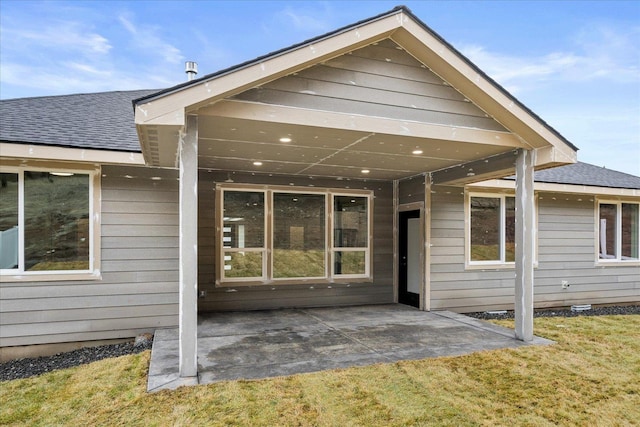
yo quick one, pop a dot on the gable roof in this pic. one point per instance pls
(161, 116)
(100, 121)
(310, 42)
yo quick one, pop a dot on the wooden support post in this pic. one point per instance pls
(525, 245)
(188, 305)
(425, 300)
(396, 201)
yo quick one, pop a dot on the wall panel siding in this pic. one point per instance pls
(138, 290)
(566, 251)
(306, 294)
(411, 190)
(380, 81)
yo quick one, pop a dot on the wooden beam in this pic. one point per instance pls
(379, 125)
(478, 170)
(188, 304)
(525, 245)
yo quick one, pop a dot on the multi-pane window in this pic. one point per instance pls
(279, 235)
(45, 221)
(618, 231)
(491, 229)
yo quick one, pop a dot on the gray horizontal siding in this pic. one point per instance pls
(566, 251)
(380, 81)
(138, 291)
(292, 295)
(411, 190)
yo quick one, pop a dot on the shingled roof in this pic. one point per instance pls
(586, 174)
(101, 121)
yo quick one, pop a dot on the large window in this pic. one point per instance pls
(45, 222)
(491, 229)
(299, 237)
(618, 231)
(284, 235)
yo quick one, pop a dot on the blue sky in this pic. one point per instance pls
(575, 64)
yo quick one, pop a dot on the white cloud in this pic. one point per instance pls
(71, 77)
(61, 35)
(86, 68)
(600, 54)
(305, 18)
(147, 40)
(304, 21)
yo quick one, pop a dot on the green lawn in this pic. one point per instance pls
(590, 377)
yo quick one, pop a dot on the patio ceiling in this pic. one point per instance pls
(237, 144)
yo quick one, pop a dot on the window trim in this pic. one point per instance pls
(267, 278)
(222, 249)
(93, 272)
(493, 264)
(332, 249)
(618, 261)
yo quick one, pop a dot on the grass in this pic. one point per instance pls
(590, 377)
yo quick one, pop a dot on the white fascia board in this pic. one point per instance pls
(68, 154)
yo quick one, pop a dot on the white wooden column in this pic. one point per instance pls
(188, 307)
(525, 245)
(425, 298)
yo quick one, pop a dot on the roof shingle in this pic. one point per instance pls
(586, 174)
(101, 121)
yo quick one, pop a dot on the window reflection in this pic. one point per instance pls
(298, 235)
(485, 229)
(350, 220)
(9, 221)
(56, 220)
(608, 227)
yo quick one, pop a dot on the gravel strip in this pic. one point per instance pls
(24, 368)
(595, 311)
(29, 367)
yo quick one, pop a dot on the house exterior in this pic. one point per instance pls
(374, 164)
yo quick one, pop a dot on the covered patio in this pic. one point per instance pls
(354, 113)
(262, 344)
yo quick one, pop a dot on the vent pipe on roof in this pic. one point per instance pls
(191, 68)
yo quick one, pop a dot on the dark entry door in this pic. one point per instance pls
(410, 240)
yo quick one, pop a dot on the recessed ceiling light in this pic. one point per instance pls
(365, 171)
(156, 178)
(61, 173)
(285, 139)
(257, 163)
(417, 151)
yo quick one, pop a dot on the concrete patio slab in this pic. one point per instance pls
(262, 344)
